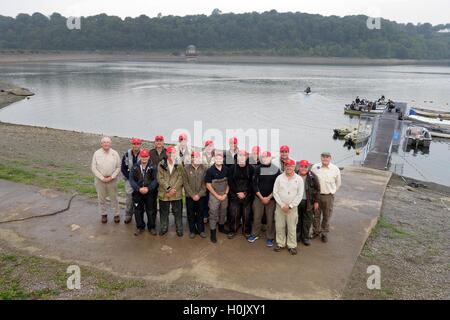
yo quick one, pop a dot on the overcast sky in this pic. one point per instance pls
(433, 11)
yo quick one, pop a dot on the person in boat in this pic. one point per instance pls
(381, 99)
(308, 90)
(357, 100)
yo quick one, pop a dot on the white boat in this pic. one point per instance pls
(418, 137)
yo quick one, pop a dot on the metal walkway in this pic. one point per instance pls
(380, 146)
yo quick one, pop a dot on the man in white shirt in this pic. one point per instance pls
(105, 166)
(183, 150)
(330, 181)
(288, 192)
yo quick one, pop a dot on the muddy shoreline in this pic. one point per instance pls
(10, 93)
(23, 56)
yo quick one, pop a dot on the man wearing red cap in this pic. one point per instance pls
(254, 157)
(208, 162)
(106, 167)
(195, 188)
(217, 185)
(170, 193)
(129, 159)
(264, 203)
(288, 192)
(143, 181)
(183, 151)
(309, 202)
(157, 154)
(231, 154)
(208, 153)
(284, 156)
(240, 178)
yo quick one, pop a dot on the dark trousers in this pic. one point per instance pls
(195, 210)
(205, 207)
(155, 208)
(164, 210)
(305, 219)
(240, 210)
(141, 203)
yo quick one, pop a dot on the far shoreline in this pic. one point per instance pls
(23, 56)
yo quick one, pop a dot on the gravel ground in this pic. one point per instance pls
(411, 245)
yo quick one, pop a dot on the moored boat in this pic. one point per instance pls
(418, 137)
(445, 115)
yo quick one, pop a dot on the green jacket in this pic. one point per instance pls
(167, 181)
(194, 180)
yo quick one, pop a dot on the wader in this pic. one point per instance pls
(218, 209)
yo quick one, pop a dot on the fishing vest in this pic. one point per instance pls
(130, 163)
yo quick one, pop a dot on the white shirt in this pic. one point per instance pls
(106, 164)
(329, 177)
(288, 190)
(170, 166)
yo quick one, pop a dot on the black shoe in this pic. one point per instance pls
(222, 228)
(180, 233)
(213, 236)
(277, 248)
(127, 219)
(162, 232)
(231, 235)
(324, 238)
(306, 242)
(292, 251)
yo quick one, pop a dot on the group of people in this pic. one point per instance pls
(231, 191)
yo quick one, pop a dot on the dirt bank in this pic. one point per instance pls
(10, 93)
(8, 56)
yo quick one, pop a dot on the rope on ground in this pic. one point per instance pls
(414, 167)
(44, 215)
(345, 158)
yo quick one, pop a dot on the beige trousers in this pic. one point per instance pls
(105, 190)
(286, 227)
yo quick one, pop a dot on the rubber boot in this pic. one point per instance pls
(214, 236)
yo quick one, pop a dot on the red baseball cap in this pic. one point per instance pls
(304, 163)
(144, 153)
(182, 137)
(266, 154)
(234, 140)
(256, 149)
(289, 162)
(243, 153)
(195, 154)
(136, 141)
(170, 149)
(208, 142)
(159, 138)
(284, 148)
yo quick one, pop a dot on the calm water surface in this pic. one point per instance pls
(148, 98)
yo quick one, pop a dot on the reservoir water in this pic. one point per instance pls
(142, 99)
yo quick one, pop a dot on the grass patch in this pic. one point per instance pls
(384, 224)
(54, 177)
(24, 277)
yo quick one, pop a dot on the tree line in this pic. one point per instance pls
(292, 34)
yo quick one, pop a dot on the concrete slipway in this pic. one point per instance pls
(235, 268)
